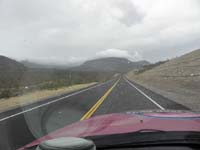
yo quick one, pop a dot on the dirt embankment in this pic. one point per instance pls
(177, 79)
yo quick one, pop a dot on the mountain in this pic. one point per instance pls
(11, 72)
(110, 64)
(10, 65)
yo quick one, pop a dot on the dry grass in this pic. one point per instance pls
(18, 101)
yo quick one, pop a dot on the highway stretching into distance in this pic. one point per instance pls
(22, 125)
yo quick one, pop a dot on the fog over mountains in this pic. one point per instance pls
(111, 64)
(12, 70)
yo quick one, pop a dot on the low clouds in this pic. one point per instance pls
(68, 31)
(119, 53)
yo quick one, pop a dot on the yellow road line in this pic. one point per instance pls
(99, 102)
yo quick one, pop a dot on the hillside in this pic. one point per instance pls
(10, 71)
(9, 65)
(110, 64)
(16, 79)
(177, 79)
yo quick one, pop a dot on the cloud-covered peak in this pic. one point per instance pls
(119, 53)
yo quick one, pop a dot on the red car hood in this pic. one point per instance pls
(127, 122)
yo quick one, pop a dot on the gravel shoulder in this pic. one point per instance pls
(183, 96)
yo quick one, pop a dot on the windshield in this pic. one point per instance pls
(94, 67)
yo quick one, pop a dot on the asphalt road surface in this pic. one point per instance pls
(22, 125)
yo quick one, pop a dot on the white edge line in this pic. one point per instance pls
(53, 101)
(153, 101)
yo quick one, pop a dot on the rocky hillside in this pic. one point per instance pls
(110, 64)
(177, 79)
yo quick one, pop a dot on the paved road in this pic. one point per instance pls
(22, 125)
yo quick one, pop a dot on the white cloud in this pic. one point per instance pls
(73, 30)
(119, 53)
(126, 12)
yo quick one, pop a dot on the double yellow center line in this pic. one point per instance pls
(99, 102)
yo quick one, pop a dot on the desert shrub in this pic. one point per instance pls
(5, 93)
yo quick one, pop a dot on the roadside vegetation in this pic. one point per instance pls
(38, 95)
(15, 83)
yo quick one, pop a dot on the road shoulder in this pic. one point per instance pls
(180, 96)
(38, 96)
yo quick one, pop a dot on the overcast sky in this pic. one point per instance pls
(67, 31)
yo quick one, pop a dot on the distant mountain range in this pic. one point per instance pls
(112, 64)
